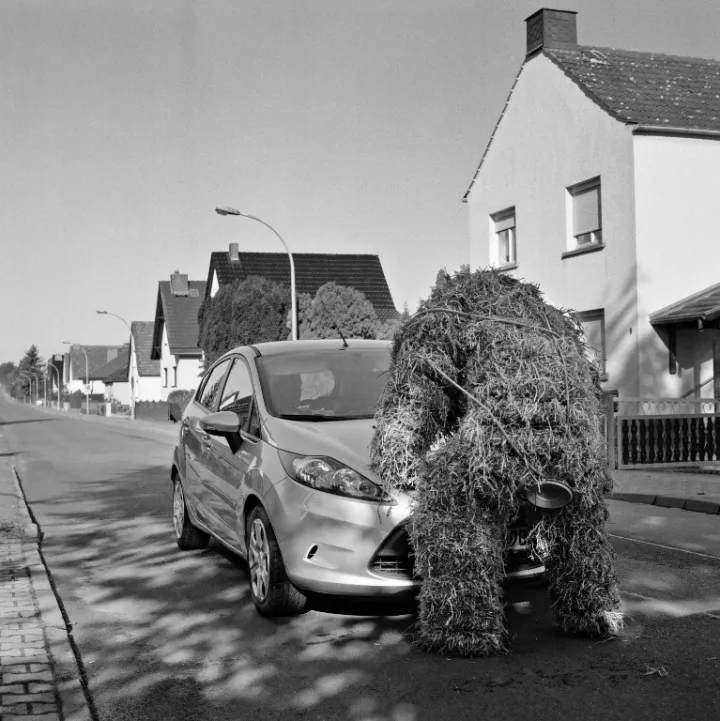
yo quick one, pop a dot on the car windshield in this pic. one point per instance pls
(324, 384)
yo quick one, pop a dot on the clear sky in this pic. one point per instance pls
(348, 125)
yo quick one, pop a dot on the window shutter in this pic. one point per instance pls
(505, 223)
(586, 211)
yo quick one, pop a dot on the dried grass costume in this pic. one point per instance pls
(490, 391)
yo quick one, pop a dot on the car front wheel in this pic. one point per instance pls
(272, 592)
(188, 537)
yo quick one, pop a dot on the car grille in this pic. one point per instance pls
(394, 558)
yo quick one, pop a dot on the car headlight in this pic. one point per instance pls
(326, 474)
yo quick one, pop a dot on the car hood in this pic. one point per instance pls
(345, 441)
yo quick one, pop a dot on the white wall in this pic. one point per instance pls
(553, 136)
(188, 370)
(677, 190)
(147, 388)
(119, 391)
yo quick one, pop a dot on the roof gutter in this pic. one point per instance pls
(676, 132)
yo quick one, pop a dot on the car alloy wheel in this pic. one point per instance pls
(272, 592)
(259, 560)
(188, 537)
(178, 510)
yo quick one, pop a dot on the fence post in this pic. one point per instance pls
(610, 425)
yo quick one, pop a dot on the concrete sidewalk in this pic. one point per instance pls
(40, 676)
(689, 491)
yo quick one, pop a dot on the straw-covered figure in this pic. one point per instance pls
(490, 395)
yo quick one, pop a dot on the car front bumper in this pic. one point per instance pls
(332, 544)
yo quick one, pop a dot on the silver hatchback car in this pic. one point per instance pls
(273, 462)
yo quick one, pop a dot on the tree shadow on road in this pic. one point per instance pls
(170, 635)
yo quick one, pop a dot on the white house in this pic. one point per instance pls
(175, 333)
(144, 372)
(599, 183)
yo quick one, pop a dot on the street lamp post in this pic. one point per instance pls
(293, 296)
(50, 365)
(131, 376)
(87, 374)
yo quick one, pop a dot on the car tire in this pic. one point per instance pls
(272, 592)
(188, 537)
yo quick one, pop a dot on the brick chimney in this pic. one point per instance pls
(555, 29)
(179, 283)
(234, 253)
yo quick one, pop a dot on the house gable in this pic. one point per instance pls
(176, 313)
(666, 92)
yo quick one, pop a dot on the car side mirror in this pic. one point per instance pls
(222, 423)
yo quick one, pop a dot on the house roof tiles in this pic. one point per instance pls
(142, 332)
(116, 370)
(98, 356)
(312, 270)
(646, 88)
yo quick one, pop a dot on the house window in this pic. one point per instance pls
(586, 207)
(174, 376)
(593, 323)
(504, 229)
(165, 376)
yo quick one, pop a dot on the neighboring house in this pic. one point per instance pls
(116, 377)
(600, 183)
(144, 371)
(175, 333)
(312, 270)
(98, 356)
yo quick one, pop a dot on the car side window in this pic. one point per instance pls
(210, 391)
(237, 395)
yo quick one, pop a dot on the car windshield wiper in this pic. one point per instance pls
(319, 418)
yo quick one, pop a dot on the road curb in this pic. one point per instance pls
(685, 504)
(67, 671)
(31, 531)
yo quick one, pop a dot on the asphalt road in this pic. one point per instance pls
(171, 635)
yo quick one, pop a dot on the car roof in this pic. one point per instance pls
(283, 347)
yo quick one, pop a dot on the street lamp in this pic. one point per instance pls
(293, 299)
(57, 371)
(132, 377)
(87, 374)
